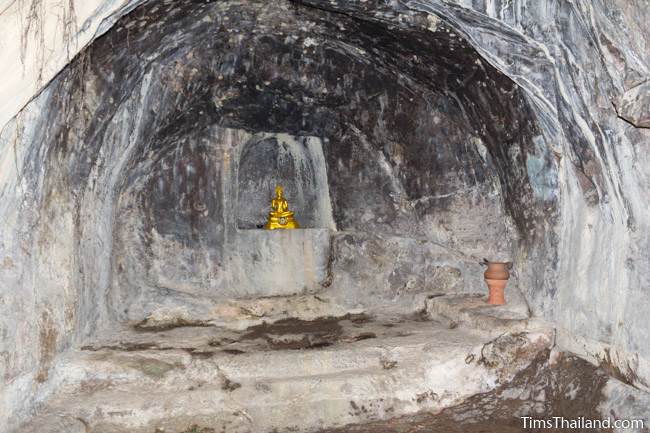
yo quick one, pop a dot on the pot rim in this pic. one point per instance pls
(486, 262)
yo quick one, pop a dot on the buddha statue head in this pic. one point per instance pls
(278, 192)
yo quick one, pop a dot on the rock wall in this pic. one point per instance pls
(404, 159)
(179, 218)
(296, 163)
(584, 64)
(451, 131)
(39, 37)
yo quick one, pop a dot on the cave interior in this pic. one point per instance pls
(406, 155)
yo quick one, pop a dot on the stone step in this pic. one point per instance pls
(288, 376)
(472, 311)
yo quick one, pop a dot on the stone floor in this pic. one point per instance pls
(544, 389)
(288, 375)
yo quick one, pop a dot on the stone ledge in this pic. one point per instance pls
(370, 368)
(473, 311)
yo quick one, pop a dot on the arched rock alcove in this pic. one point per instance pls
(421, 155)
(295, 163)
(430, 153)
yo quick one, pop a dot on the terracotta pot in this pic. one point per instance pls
(496, 277)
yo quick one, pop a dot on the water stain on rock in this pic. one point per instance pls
(47, 343)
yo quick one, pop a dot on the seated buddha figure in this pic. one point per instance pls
(280, 216)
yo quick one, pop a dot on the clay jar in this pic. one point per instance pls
(496, 277)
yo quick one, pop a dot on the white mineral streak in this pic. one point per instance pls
(39, 37)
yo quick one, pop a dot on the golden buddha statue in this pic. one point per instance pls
(280, 216)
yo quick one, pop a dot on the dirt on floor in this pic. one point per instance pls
(569, 388)
(286, 334)
(306, 334)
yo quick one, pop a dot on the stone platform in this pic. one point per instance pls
(290, 375)
(473, 311)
